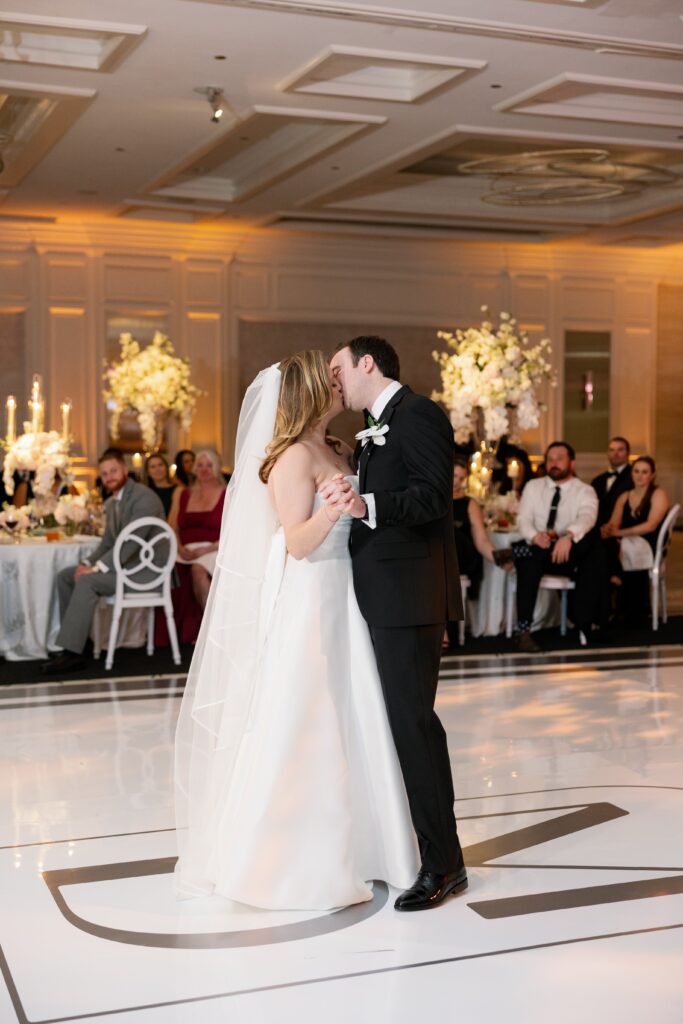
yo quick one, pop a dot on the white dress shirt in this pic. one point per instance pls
(378, 407)
(611, 479)
(577, 511)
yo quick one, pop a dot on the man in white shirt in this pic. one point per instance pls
(557, 517)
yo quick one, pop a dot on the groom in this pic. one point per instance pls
(406, 581)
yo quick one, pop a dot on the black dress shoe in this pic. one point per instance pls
(526, 643)
(69, 661)
(429, 889)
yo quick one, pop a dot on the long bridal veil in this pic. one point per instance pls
(220, 686)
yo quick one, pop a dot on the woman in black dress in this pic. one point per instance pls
(638, 513)
(471, 539)
(158, 479)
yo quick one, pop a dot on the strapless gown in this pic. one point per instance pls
(316, 807)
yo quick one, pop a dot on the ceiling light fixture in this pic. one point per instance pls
(214, 95)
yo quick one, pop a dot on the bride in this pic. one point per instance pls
(289, 793)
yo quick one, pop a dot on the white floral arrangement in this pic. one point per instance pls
(45, 454)
(151, 381)
(495, 370)
(501, 509)
(71, 508)
(20, 516)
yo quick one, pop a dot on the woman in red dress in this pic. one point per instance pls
(196, 514)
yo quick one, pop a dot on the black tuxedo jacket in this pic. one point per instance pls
(608, 499)
(405, 571)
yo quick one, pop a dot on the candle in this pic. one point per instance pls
(172, 469)
(35, 388)
(513, 469)
(66, 409)
(34, 406)
(11, 414)
(137, 460)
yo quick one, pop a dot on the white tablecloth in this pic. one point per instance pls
(29, 614)
(486, 615)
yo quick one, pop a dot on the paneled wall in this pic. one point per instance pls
(233, 304)
(669, 391)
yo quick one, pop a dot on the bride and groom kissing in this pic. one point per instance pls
(309, 758)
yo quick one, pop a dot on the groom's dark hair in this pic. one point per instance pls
(381, 351)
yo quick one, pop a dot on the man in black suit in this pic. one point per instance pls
(609, 485)
(406, 581)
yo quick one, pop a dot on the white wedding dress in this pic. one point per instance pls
(314, 807)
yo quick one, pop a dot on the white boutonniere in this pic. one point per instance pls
(375, 432)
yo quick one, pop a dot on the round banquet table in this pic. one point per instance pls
(487, 614)
(29, 612)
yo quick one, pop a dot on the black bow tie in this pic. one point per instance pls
(614, 472)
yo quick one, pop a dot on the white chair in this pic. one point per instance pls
(657, 573)
(465, 583)
(561, 583)
(131, 593)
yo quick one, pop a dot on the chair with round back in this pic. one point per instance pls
(657, 573)
(152, 587)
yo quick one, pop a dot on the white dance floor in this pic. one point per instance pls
(569, 779)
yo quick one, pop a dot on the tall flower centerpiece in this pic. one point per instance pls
(152, 382)
(45, 453)
(489, 373)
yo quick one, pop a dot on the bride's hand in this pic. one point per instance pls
(336, 490)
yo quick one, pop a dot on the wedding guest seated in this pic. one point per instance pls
(158, 479)
(79, 588)
(635, 522)
(556, 518)
(472, 542)
(196, 515)
(60, 487)
(609, 486)
(614, 481)
(184, 467)
(23, 487)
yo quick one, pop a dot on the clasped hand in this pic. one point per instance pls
(339, 497)
(561, 548)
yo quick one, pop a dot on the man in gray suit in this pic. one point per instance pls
(80, 587)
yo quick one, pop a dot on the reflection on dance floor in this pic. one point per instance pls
(569, 788)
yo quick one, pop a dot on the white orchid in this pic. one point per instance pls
(375, 432)
(495, 371)
(151, 381)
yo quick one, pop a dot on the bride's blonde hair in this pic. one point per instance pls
(305, 397)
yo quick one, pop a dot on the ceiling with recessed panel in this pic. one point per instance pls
(520, 119)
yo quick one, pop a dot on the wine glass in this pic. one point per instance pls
(10, 526)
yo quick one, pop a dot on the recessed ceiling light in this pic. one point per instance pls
(120, 149)
(220, 56)
(497, 86)
(334, 167)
